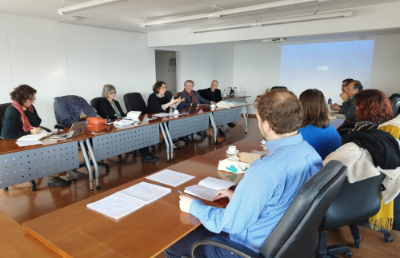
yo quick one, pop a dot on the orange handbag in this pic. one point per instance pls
(96, 120)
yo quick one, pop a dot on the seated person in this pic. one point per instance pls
(110, 108)
(315, 127)
(214, 95)
(267, 189)
(190, 96)
(158, 101)
(349, 109)
(22, 119)
(344, 85)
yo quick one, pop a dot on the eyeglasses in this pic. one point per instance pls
(113, 92)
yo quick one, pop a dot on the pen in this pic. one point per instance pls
(180, 192)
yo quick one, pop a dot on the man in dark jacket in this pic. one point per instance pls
(214, 94)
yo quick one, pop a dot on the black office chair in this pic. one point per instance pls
(395, 105)
(134, 102)
(94, 103)
(394, 95)
(202, 93)
(354, 203)
(296, 234)
(60, 126)
(279, 88)
(3, 108)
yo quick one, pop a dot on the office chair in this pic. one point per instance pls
(3, 108)
(296, 234)
(394, 95)
(134, 102)
(59, 126)
(395, 105)
(354, 203)
(202, 93)
(95, 104)
(279, 88)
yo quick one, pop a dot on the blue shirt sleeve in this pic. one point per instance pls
(240, 212)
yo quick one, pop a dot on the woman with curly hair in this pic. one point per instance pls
(372, 109)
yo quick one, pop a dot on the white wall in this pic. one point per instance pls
(165, 72)
(257, 67)
(59, 59)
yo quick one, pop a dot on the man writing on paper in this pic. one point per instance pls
(267, 189)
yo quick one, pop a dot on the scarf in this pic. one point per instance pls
(26, 125)
(362, 125)
(190, 95)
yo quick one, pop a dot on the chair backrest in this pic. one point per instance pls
(134, 102)
(296, 234)
(202, 93)
(3, 108)
(68, 109)
(169, 94)
(394, 95)
(95, 102)
(279, 88)
(354, 203)
(395, 105)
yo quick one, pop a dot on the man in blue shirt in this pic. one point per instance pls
(267, 189)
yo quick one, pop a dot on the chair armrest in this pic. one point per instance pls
(45, 128)
(227, 244)
(59, 126)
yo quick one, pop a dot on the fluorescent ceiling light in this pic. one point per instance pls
(86, 5)
(248, 10)
(271, 22)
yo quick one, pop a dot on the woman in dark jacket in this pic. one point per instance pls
(158, 101)
(22, 119)
(110, 108)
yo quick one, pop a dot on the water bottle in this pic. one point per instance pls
(329, 101)
(224, 93)
(171, 112)
(232, 93)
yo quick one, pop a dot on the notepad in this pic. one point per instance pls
(33, 137)
(207, 188)
(124, 202)
(170, 177)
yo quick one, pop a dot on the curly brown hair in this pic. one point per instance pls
(373, 105)
(282, 110)
(315, 110)
(157, 86)
(22, 93)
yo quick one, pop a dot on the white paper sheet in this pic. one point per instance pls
(146, 192)
(170, 177)
(116, 205)
(28, 143)
(201, 192)
(161, 115)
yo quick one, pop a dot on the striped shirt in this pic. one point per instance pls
(264, 194)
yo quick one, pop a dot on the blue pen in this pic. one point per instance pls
(180, 192)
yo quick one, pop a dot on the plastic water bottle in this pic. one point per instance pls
(224, 92)
(171, 112)
(329, 101)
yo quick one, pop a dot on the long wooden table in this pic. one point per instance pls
(76, 231)
(15, 242)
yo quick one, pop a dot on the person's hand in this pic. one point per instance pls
(36, 130)
(212, 102)
(335, 107)
(185, 201)
(344, 96)
(179, 100)
(223, 194)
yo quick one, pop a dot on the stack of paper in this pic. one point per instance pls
(31, 139)
(128, 200)
(208, 188)
(170, 177)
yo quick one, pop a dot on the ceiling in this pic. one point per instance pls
(129, 15)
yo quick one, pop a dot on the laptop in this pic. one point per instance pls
(76, 129)
(192, 108)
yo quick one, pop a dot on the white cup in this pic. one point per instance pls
(176, 112)
(232, 150)
(212, 107)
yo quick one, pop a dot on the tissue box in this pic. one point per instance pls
(248, 157)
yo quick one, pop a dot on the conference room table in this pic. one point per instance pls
(241, 97)
(144, 233)
(15, 242)
(24, 164)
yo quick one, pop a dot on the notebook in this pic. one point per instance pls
(124, 202)
(170, 177)
(33, 137)
(208, 188)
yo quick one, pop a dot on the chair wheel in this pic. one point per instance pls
(388, 238)
(357, 243)
(152, 148)
(348, 254)
(5, 189)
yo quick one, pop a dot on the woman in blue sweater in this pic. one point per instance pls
(315, 127)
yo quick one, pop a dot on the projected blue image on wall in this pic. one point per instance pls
(326, 64)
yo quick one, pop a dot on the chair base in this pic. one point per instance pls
(386, 233)
(325, 251)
